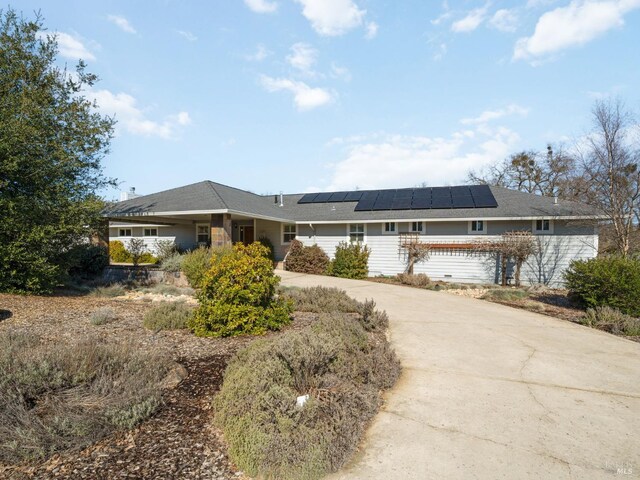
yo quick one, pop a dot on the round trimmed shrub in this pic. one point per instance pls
(303, 259)
(610, 281)
(118, 252)
(238, 296)
(351, 261)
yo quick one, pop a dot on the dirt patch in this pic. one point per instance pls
(179, 441)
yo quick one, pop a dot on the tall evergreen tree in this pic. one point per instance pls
(52, 143)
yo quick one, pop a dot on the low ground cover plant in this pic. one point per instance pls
(505, 294)
(342, 362)
(238, 295)
(351, 261)
(612, 321)
(168, 316)
(415, 280)
(606, 281)
(302, 259)
(57, 396)
(102, 315)
(113, 290)
(321, 300)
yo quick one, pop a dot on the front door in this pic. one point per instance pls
(248, 236)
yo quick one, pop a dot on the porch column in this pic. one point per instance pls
(220, 224)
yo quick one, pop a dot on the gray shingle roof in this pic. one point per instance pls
(214, 196)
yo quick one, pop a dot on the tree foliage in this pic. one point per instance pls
(52, 142)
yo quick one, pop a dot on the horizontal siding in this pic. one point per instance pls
(556, 253)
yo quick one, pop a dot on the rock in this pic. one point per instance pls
(174, 377)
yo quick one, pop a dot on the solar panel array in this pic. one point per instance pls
(473, 196)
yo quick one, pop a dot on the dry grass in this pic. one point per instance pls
(113, 290)
(102, 315)
(58, 396)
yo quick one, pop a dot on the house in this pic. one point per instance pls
(445, 217)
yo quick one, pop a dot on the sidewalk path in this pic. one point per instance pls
(491, 392)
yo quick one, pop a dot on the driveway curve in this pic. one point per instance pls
(490, 391)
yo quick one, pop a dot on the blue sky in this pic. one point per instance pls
(301, 95)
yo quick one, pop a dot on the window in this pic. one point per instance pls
(289, 233)
(356, 232)
(389, 227)
(150, 232)
(202, 233)
(477, 226)
(542, 226)
(124, 232)
(417, 227)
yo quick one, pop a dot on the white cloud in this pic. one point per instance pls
(133, 120)
(122, 23)
(303, 57)
(71, 47)
(372, 30)
(445, 15)
(260, 54)
(187, 35)
(504, 20)
(304, 96)
(342, 73)
(440, 52)
(332, 17)
(398, 160)
(490, 115)
(261, 6)
(471, 21)
(573, 25)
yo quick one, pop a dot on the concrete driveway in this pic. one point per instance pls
(491, 392)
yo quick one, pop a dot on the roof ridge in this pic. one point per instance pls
(215, 192)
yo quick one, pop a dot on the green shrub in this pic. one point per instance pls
(113, 290)
(172, 263)
(164, 249)
(87, 261)
(414, 280)
(606, 281)
(118, 252)
(196, 263)
(612, 321)
(351, 261)
(168, 316)
(147, 257)
(102, 315)
(269, 244)
(338, 364)
(137, 249)
(303, 259)
(505, 294)
(238, 296)
(56, 396)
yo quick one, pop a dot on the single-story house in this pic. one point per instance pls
(448, 218)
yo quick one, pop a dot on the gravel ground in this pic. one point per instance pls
(179, 442)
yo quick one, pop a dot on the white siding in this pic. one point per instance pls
(557, 251)
(183, 235)
(272, 230)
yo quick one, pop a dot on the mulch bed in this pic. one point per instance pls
(179, 441)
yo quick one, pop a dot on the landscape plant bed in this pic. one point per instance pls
(179, 441)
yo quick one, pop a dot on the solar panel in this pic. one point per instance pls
(366, 201)
(338, 196)
(404, 193)
(440, 192)
(421, 193)
(461, 191)
(401, 203)
(322, 197)
(465, 201)
(384, 200)
(308, 198)
(353, 196)
(485, 201)
(441, 202)
(480, 190)
(421, 202)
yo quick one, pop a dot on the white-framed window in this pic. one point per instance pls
(543, 225)
(356, 232)
(202, 233)
(417, 227)
(477, 227)
(124, 232)
(150, 232)
(289, 232)
(389, 228)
